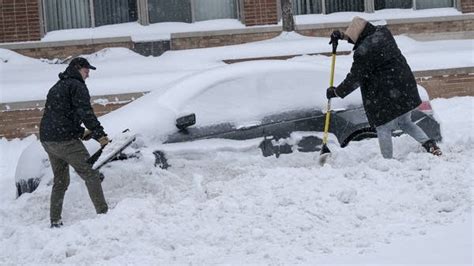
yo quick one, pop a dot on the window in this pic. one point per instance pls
(190, 10)
(169, 11)
(381, 4)
(61, 14)
(419, 4)
(214, 9)
(301, 7)
(344, 5)
(423, 4)
(114, 11)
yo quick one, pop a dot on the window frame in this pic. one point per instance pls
(143, 16)
(91, 17)
(369, 6)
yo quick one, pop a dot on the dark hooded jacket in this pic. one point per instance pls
(387, 84)
(67, 107)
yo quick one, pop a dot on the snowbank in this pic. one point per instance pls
(234, 206)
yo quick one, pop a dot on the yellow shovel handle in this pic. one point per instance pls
(328, 109)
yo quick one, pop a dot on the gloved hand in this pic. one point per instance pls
(87, 135)
(331, 92)
(103, 141)
(101, 177)
(336, 35)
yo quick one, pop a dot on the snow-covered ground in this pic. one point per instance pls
(234, 206)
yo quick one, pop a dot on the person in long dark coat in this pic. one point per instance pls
(67, 108)
(387, 84)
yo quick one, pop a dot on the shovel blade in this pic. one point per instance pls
(324, 155)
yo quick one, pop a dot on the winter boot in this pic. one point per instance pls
(432, 148)
(56, 224)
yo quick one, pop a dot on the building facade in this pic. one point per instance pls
(29, 20)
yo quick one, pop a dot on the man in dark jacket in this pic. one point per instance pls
(67, 107)
(388, 87)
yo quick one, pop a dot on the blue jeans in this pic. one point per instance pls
(403, 122)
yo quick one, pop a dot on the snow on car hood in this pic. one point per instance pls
(236, 93)
(240, 93)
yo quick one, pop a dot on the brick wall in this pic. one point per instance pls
(64, 49)
(22, 123)
(19, 21)
(467, 6)
(432, 27)
(260, 12)
(153, 48)
(21, 119)
(190, 41)
(447, 83)
(71, 50)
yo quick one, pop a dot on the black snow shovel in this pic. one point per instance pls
(325, 152)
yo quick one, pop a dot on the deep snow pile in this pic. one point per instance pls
(234, 206)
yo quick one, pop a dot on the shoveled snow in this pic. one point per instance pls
(235, 206)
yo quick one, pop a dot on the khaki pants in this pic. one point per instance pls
(61, 155)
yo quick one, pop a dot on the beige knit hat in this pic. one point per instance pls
(355, 28)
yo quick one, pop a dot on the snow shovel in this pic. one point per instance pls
(325, 152)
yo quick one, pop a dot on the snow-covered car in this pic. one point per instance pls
(278, 105)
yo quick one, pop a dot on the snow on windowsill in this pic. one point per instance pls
(162, 31)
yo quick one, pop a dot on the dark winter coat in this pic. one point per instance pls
(386, 81)
(67, 107)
